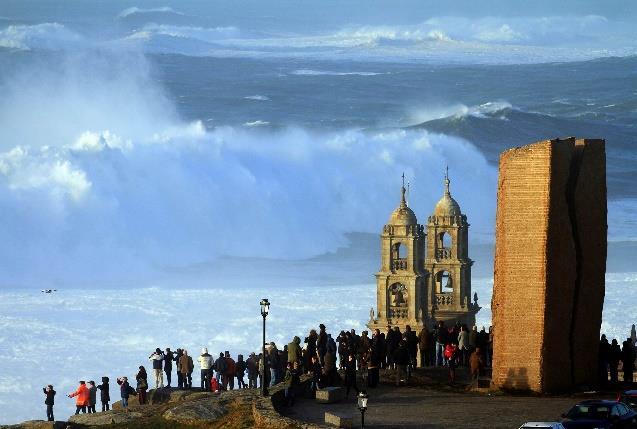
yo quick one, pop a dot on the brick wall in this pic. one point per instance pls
(549, 264)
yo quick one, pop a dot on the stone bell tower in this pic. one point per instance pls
(448, 264)
(400, 283)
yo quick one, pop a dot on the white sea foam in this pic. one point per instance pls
(438, 39)
(137, 11)
(488, 109)
(257, 123)
(86, 334)
(309, 72)
(257, 97)
(42, 36)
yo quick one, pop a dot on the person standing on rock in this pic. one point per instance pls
(105, 394)
(158, 359)
(240, 370)
(92, 397)
(125, 390)
(168, 365)
(82, 396)
(220, 368)
(49, 402)
(252, 367)
(205, 366)
(229, 372)
(142, 384)
(180, 377)
(185, 367)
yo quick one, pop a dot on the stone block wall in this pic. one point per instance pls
(550, 262)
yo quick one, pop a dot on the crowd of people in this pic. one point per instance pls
(610, 357)
(358, 357)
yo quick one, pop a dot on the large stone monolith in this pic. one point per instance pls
(550, 261)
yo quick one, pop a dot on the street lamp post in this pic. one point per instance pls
(362, 405)
(265, 309)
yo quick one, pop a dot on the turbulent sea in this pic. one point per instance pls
(166, 166)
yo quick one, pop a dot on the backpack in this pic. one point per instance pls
(214, 385)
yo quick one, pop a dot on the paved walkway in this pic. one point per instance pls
(417, 407)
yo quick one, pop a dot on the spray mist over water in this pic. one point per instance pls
(108, 179)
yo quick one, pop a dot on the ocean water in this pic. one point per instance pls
(164, 164)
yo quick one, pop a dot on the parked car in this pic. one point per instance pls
(543, 425)
(629, 397)
(600, 414)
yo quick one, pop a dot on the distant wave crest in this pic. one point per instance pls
(309, 72)
(137, 10)
(50, 35)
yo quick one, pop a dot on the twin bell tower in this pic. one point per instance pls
(425, 275)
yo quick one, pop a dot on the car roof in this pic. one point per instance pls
(598, 402)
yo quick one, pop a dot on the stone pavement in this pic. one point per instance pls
(417, 407)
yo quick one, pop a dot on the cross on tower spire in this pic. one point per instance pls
(403, 202)
(447, 181)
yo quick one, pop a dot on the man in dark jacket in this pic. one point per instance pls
(180, 376)
(440, 335)
(253, 371)
(628, 360)
(350, 375)
(423, 346)
(401, 359)
(220, 367)
(321, 343)
(412, 347)
(168, 365)
(392, 343)
(316, 371)
(105, 395)
(49, 401)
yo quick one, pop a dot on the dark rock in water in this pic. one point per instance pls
(194, 412)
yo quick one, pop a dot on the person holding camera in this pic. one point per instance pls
(158, 359)
(82, 395)
(49, 402)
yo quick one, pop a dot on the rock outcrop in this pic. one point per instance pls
(550, 262)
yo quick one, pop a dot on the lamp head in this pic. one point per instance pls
(362, 400)
(265, 307)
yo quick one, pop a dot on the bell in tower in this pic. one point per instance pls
(448, 263)
(400, 282)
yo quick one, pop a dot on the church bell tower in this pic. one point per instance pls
(448, 263)
(400, 282)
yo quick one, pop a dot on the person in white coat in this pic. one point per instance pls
(205, 363)
(463, 345)
(157, 359)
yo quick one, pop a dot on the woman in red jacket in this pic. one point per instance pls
(82, 400)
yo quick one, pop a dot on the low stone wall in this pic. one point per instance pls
(265, 410)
